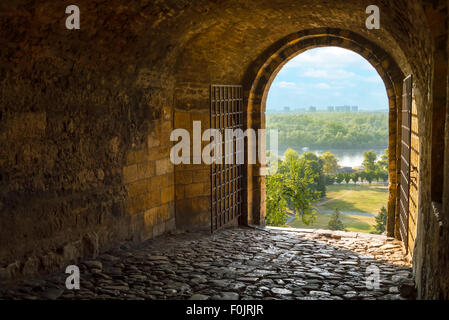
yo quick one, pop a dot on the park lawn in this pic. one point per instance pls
(354, 198)
(349, 198)
(351, 222)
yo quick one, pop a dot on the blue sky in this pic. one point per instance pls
(329, 76)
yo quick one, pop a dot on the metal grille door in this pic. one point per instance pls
(405, 160)
(226, 112)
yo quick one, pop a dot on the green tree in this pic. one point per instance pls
(381, 171)
(294, 185)
(338, 130)
(316, 165)
(383, 162)
(330, 163)
(310, 156)
(273, 162)
(347, 177)
(339, 177)
(355, 176)
(362, 176)
(330, 180)
(334, 128)
(369, 162)
(275, 201)
(369, 176)
(381, 220)
(376, 174)
(383, 174)
(335, 222)
(290, 155)
(298, 188)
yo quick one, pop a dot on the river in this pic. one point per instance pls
(346, 157)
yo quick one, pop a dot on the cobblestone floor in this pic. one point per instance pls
(238, 263)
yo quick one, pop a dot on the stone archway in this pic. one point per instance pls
(262, 73)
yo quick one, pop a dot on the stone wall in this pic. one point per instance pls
(430, 253)
(192, 181)
(414, 178)
(84, 116)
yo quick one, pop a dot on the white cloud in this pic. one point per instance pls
(324, 76)
(322, 85)
(328, 74)
(328, 57)
(372, 79)
(285, 84)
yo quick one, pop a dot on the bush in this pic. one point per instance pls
(335, 223)
(330, 180)
(381, 221)
(275, 201)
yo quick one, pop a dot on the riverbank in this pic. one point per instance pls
(347, 157)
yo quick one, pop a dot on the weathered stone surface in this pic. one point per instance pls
(198, 297)
(228, 296)
(281, 291)
(407, 289)
(53, 293)
(93, 264)
(198, 266)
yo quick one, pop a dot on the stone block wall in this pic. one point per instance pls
(148, 178)
(193, 181)
(430, 252)
(414, 178)
(85, 117)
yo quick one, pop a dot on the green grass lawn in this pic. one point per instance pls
(352, 198)
(352, 223)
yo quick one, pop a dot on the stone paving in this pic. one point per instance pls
(239, 263)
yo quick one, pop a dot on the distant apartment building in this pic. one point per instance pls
(343, 109)
(346, 170)
(312, 109)
(286, 109)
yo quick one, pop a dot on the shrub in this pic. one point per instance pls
(335, 222)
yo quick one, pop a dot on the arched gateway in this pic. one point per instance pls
(263, 71)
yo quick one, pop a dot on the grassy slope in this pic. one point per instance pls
(353, 198)
(352, 223)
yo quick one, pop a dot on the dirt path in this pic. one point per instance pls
(291, 217)
(352, 213)
(329, 200)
